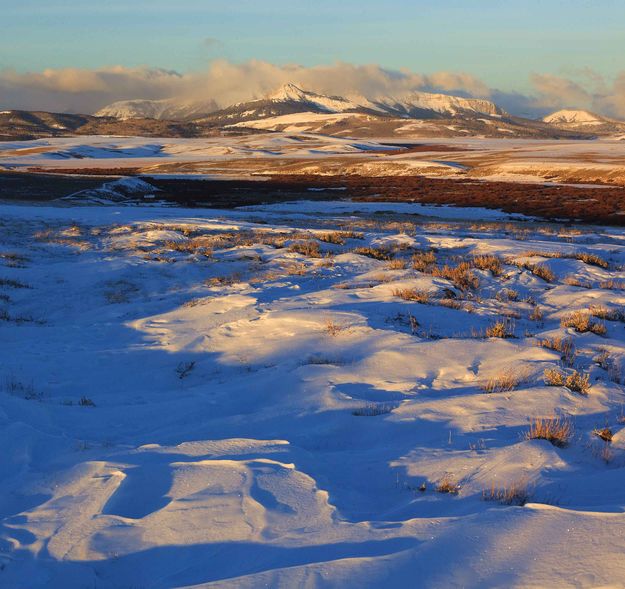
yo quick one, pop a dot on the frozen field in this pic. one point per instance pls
(310, 395)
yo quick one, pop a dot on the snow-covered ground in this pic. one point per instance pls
(247, 399)
(294, 151)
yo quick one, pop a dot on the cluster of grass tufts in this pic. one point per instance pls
(488, 262)
(373, 409)
(539, 270)
(308, 248)
(503, 328)
(578, 382)
(564, 345)
(516, 493)
(506, 380)
(557, 430)
(582, 322)
(374, 252)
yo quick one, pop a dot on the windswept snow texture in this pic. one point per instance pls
(258, 398)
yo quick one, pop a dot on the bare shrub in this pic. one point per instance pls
(557, 430)
(85, 402)
(581, 321)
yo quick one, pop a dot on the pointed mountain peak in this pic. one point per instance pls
(290, 92)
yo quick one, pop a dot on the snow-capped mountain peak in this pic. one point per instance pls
(292, 93)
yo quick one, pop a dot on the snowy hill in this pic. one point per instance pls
(169, 109)
(572, 116)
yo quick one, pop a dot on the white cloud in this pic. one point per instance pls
(85, 90)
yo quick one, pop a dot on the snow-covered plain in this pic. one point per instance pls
(296, 151)
(195, 399)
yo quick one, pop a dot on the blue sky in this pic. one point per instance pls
(500, 41)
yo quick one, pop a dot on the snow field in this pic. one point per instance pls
(296, 396)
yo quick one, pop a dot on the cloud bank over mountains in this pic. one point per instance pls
(86, 90)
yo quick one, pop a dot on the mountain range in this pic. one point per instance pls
(292, 109)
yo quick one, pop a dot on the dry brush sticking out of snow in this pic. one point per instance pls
(248, 398)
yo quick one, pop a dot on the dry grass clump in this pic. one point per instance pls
(604, 433)
(191, 246)
(590, 259)
(294, 268)
(539, 270)
(448, 485)
(222, 280)
(488, 262)
(501, 329)
(506, 380)
(577, 381)
(373, 409)
(516, 493)
(10, 283)
(333, 329)
(338, 237)
(14, 260)
(607, 362)
(574, 281)
(460, 276)
(582, 323)
(564, 345)
(374, 252)
(120, 291)
(554, 378)
(557, 430)
(422, 261)
(397, 264)
(412, 294)
(612, 284)
(309, 248)
(603, 312)
(536, 314)
(507, 294)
